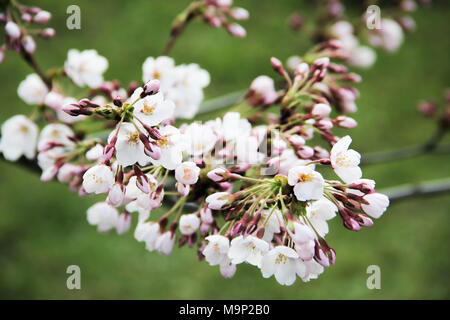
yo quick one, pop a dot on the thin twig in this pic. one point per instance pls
(432, 145)
(410, 190)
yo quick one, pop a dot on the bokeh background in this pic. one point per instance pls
(43, 227)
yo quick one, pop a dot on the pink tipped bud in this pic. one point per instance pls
(12, 30)
(28, 44)
(154, 153)
(26, 17)
(47, 33)
(183, 189)
(345, 122)
(153, 133)
(223, 4)
(321, 110)
(305, 152)
(151, 87)
(2, 53)
(218, 175)
(236, 30)
(116, 195)
(239, 14)
(277, 65)
(142, 181)
(42, 17)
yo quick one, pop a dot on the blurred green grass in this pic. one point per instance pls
(43, 228)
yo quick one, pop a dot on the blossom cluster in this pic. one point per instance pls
(359, 37)
(18, 38)
(254, 177)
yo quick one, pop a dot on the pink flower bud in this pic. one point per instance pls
(345, 122)
(28, 44)
(239, 14)
(236, 30)
(321, 110)
(305, 152)
(42, 17)
(27, 17)
(150, 88)
(183, 189)
(12, 30)
(217, 175)
(116, 195)
(47, 33)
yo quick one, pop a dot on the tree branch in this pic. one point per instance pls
(427, 188)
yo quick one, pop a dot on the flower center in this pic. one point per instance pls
(148, 109)
(281, 259)
(96, 178)
(305, 177)
(163, 142)
(343, 161)
(187, 174)
(23, 129)
(133, 138)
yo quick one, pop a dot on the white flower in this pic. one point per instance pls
(313, 269)
(129, 147)
(104, 216)
(287, 160)
(19, 137)
(85, 67)
(389, 37)
(172, 144)
(345, 162)
(54, 100)
(165, 242)
(308, 184)
(200, 139)
(187, 173)
(318, 212)
(362, 57)
(143, 200)
(378, 204)
(147, 232)
(161, 68)
(98, 179)
(247, 150)
(68, 171)
(284, 263)
(232, 126)
(263, 90)
(152, 109)
(228, 270)
(272, 221)
(95, 153)
(32, 90)
(123, 223)
(217, 200)
(189, 224)
(249, 249)
(56, 133)
(216, 251)
(301, 233)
